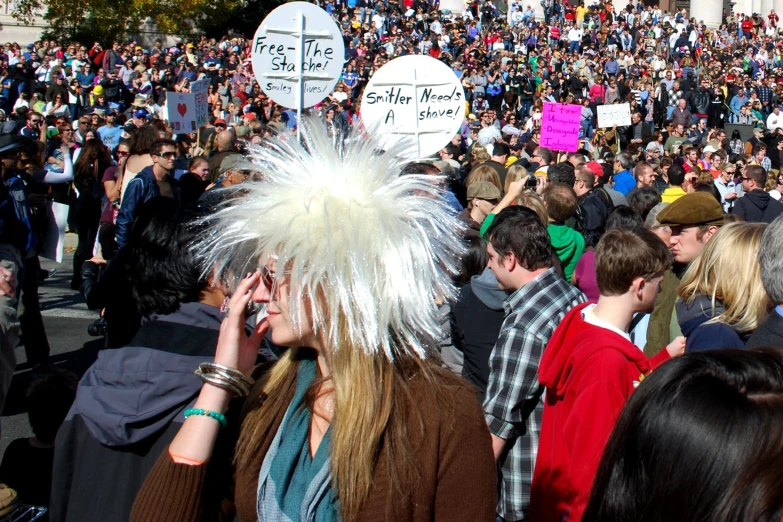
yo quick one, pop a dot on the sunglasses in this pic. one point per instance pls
(167, 155)
(122, 153)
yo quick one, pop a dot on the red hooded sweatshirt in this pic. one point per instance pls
(589, 372)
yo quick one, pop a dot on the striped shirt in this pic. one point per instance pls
(512, 404)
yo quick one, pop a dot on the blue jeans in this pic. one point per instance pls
(573, 46)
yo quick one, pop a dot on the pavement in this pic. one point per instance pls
(66, 318)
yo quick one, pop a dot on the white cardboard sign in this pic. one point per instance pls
(617, 114)
(298, 45)
(414, 97)
(188, 111)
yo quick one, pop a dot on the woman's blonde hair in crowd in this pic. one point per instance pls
(727, 270)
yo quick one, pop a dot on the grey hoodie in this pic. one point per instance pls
(487, 289)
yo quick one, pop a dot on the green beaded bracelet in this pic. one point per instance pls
(207, 413)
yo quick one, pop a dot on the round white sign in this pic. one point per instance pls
(414, 97)
(298, 40)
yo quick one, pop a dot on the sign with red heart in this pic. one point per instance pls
(182, 109)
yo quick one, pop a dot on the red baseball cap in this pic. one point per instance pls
(220, 122)
(250, 116)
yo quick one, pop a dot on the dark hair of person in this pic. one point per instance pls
(707, 420)
(48, 401)
(93, 153)
(518, 230)
(157, 146)
(608, 173)
(626, 253)
(757, 174)
(562, 173)
(165, 271)
(142, 139)
(500, 149)
(710, 188)
(643, 199)
(474, 260)
(546, 154)
(676, 175)
(623, 216)
(419, 167)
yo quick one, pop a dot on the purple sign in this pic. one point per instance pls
(560, 126)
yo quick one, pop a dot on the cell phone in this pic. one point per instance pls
(531, 183)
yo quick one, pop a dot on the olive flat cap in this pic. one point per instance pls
(698, 208)
(483, 190)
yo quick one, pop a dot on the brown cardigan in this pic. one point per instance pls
(457, 473)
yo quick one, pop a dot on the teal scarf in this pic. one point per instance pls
(292, 485)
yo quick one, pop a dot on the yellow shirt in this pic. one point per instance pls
(672, 194)
(580, 13)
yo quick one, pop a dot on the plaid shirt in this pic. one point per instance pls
(512, 405)
(765, 93)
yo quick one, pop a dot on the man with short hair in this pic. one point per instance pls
(225, 143)
(676, 175)
(644, 175)
(770, 332)
(760, 157)
(593, 208)
(591, 367)
(638, 132)
(623, 179)
(110, 134)
(681, 115)
(520, 256)
(153, 181)
(775, 119)
(675, 139)
(694, 219)
(756, 205)
(35, 127)
(499, 153)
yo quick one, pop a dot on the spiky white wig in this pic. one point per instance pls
(380, 247)
(489, 135)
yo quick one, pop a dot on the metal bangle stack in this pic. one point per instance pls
(224, 377)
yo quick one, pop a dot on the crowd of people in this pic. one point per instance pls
(500, 332)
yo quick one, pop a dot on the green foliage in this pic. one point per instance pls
(107, 20)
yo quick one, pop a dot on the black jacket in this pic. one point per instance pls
(475, 325)
(591, 214)
(757, 206)
(128, 408)
(646, 135)
(769, 333)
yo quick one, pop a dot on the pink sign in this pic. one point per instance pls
(560, 126)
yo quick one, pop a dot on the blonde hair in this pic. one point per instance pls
(483, 173)
(772, 180)
(515, 173)
(534, 202)
(373, 398)
(727, 270)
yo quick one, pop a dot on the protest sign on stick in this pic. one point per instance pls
(417, 98)
(188, 111)
(560, 126)
(617, 114)
(298, 55)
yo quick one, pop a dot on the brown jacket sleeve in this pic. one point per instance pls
(172, 493)
(467, 475)
(175, 492)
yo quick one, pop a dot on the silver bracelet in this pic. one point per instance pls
(238, 388)
(213, 367)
